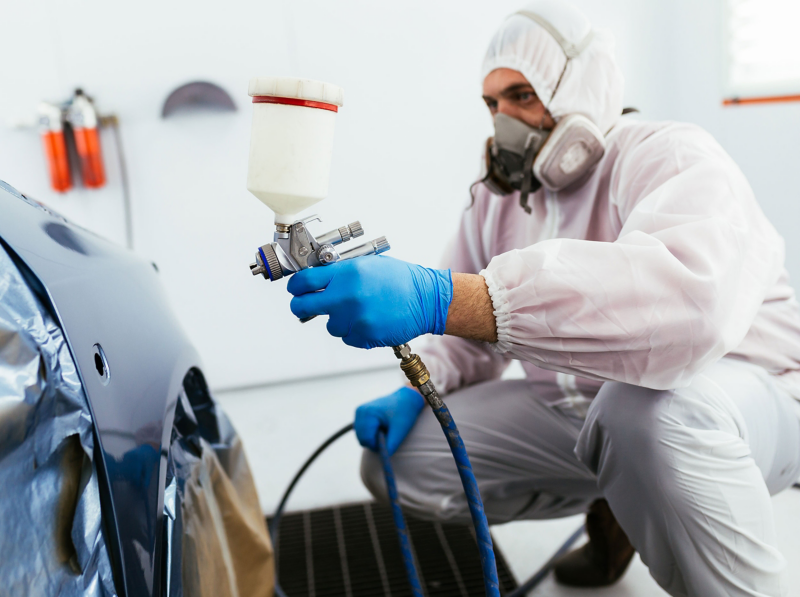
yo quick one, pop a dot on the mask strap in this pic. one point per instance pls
(553, 95)
(527, 181)
(571, 50)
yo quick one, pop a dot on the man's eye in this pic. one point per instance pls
(525, 96)
(491, 105)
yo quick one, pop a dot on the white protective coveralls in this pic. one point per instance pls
(653, 295)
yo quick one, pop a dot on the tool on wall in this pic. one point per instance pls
(290, 155)
(70, 133)
(83, 119)
(197, 96)
(51, 127)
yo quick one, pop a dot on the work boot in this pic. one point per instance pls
(603, 560)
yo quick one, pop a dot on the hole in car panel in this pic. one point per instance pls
(101, 364)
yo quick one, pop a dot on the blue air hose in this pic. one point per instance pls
(482, 534)
(418, 376)
(399, 520)
(276, 518)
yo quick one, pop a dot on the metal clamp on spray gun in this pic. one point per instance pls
(290, 156)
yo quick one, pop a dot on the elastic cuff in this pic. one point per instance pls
(444, 296)
(502, 315)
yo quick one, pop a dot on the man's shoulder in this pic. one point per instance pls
(629, 133)
(660, 137)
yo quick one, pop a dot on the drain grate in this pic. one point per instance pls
(352, 551)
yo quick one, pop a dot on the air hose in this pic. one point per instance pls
(276, 518)
(418, 376)
(523, 589)
(399, 519)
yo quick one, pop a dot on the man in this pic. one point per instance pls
(648, 303)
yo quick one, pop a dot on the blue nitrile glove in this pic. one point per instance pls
(375, 300)
(396, 413)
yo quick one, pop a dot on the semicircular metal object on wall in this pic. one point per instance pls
(198, 95)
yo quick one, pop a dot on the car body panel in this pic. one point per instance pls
(103, 294)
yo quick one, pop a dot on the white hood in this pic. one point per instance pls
(592, 84)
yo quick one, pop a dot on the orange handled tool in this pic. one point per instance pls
(55, 146)
(83, 118)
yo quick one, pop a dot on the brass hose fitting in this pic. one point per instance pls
(417, 374)
(415, 370)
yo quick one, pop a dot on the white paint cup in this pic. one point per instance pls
(291, 143)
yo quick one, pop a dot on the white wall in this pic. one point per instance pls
(763, 139)
(407, 143)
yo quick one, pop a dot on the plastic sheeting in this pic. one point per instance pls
(51, 538)
(226, 550)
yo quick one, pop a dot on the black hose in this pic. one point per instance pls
(276, 519)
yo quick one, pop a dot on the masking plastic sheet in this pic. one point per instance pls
(225, 546)
(51, 538)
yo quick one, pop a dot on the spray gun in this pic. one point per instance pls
(290, 161)
(295, 248)
(290, 158)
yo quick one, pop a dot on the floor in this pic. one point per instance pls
(282, 424)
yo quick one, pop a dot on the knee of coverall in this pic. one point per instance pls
(638, 431)
(372, 476)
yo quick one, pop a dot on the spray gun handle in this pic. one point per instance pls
(373, 247)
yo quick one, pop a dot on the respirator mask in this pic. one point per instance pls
(524, 158)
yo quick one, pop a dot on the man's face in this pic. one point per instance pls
(508, 92)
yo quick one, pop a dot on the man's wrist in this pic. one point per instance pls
(471, 313)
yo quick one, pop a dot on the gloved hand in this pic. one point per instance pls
(374, 300)
(396, 413)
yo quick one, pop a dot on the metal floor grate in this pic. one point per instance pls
(352, 551)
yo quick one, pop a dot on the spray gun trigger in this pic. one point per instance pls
(300, 244)
(311, 218)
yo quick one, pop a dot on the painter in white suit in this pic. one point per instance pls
(640, 285)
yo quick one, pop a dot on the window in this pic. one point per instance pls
(762, 50)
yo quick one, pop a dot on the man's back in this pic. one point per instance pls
(682, 213)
